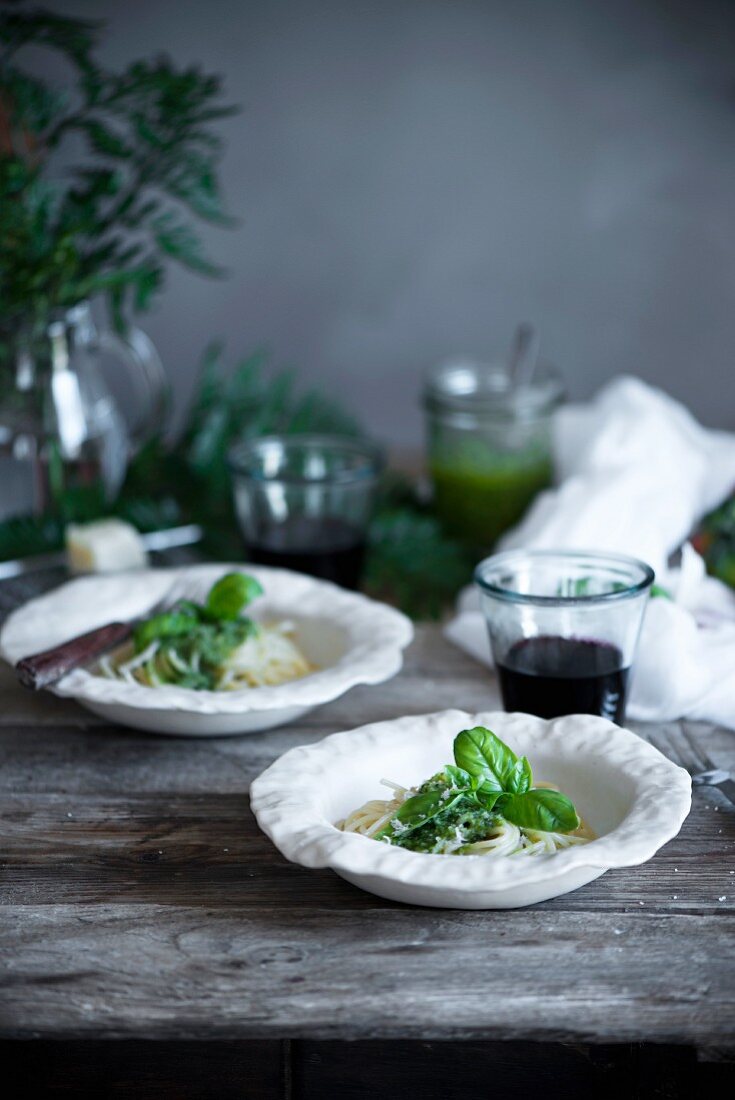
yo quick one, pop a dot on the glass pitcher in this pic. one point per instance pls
(62, 429)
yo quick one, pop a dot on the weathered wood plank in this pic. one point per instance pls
(207, 848)
(108, 759)
(117, 971)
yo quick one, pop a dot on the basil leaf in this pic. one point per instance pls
(520, 779)
(416, 811)
(169, 624)
(481, 753)
(190, 608)
(487, 799)
(457, 778)
(231, 594)
(548, 811)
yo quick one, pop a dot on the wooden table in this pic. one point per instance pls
(141, 902)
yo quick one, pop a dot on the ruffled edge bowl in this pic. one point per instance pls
(375, 636)
(287, 800)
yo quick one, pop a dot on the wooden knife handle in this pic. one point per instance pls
(41, 669)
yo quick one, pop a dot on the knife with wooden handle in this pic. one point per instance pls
(40, 670)
(50, 665)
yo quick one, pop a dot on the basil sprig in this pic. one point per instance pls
(488, 774)
(225, 602)
(485, 757)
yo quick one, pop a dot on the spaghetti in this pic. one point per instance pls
(268, 656)
(503, 838)
(484, 804)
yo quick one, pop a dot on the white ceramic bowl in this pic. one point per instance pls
(632, 796)
(352, 640)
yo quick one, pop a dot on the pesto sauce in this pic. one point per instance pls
(461, 824)
(478, 503)
(203, 650)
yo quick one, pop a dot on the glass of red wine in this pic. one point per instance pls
(304, 502)
(564, 628)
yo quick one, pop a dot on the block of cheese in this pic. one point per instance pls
(104, 546)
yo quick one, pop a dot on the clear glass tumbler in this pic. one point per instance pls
(304, 502)
(564, 628)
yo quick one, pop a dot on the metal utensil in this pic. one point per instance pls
(155, 540)
(40, 670)
(523, 356)
(684, 750)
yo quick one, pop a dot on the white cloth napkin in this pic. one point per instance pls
(636, 474)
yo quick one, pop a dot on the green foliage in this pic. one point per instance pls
(715, 540)
(226, 406)
(115, 220)
(109, 227)
(411, 562)
(73, 37)
(21, 536)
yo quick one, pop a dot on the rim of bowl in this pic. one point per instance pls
(371, 454)
(512, 596)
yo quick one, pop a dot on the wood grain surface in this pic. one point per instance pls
(139, 901)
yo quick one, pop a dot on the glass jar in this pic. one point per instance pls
(489, 445)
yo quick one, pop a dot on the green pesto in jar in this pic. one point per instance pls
(489, 444)
(477, 504)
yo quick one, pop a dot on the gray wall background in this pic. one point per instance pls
(415, 176)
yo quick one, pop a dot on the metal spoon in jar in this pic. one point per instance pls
(523, 356)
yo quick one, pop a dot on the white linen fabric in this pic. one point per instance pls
(636, 473)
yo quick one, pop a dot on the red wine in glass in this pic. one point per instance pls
(552, 676)
(328, 548)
